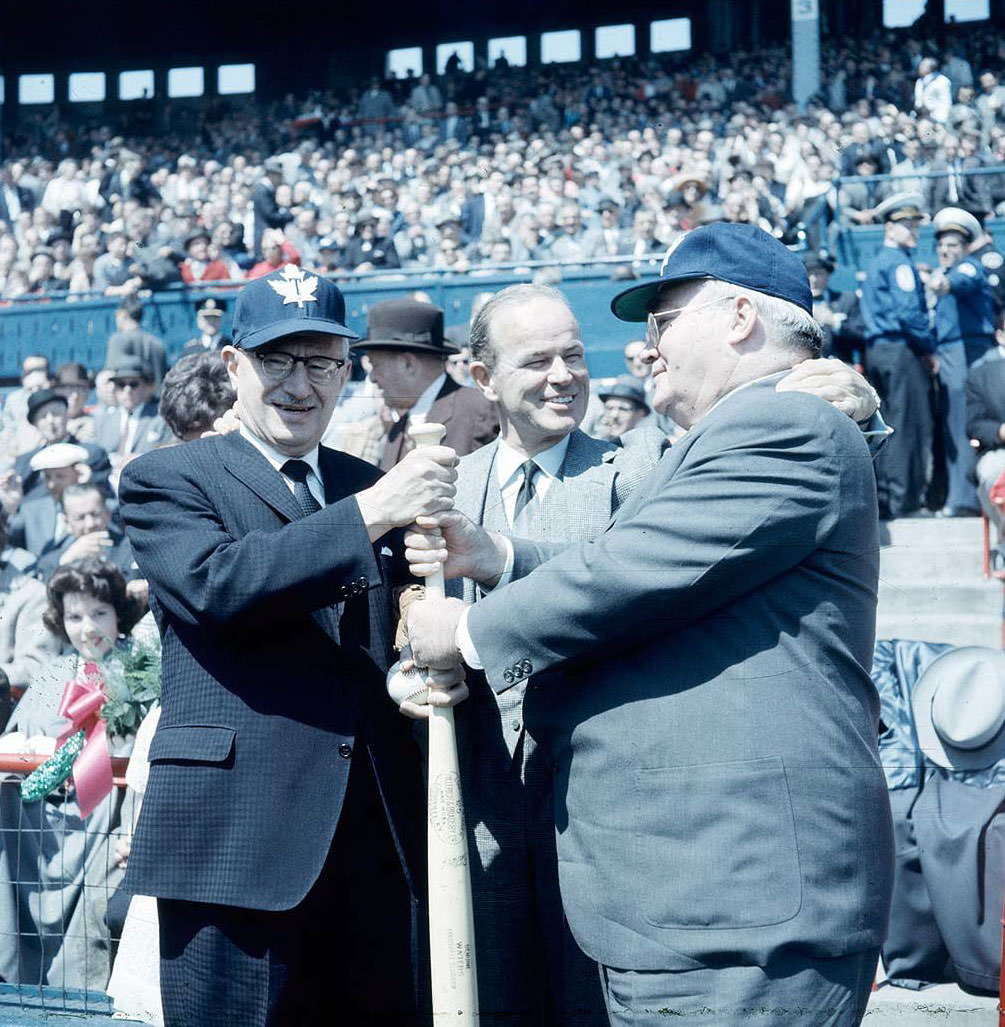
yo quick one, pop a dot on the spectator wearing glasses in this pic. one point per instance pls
(134, 424)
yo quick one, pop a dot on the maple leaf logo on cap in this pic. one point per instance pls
(295, 287)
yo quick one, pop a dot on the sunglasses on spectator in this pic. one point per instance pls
(279, 366)
(127, 383)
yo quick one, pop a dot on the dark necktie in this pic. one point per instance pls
(526, 494)
(297, 471)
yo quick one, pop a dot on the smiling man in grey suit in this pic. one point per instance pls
(544, 479)
(724, 838)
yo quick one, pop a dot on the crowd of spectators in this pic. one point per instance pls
(500, 166)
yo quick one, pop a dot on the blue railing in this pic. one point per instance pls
(77, 329)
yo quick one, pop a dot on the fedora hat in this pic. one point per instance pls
(625, 386)
(406, 325)
(959, 708)
(42, 398)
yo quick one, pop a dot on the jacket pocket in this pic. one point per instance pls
(716, 847)
(201, 743)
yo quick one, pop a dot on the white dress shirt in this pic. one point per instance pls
(277, 460)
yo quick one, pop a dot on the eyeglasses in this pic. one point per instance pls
(653, 331)
(279, 366)
(127, 383)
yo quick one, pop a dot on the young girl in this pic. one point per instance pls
(57, 868)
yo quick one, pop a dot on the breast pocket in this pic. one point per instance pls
(716, 847)
(193, 743)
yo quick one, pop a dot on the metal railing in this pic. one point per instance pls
(58, 874)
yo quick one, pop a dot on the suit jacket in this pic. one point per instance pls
(34, 526)
(268, 213)
(119, 553)
(150, 433)
(470, 419)
(713, 725)
(25, 198)
(262, 707)
(986, 403)
(24, 642)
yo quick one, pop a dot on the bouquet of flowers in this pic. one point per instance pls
(100, 703)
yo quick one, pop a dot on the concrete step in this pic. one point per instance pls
(933, 532)
(977, 597)
(924, 564)
(952, 628)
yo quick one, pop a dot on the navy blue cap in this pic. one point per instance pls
(742, 255)
(286, 302)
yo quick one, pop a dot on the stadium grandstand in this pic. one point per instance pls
(152, 164)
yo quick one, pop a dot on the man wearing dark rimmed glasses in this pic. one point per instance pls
(279, 826)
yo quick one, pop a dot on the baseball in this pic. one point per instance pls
(405, 686)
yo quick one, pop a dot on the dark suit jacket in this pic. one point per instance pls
(719, 794)
(268, 213)
(262, 707)
(152, 430)
(27, 203)
(33, 527)
(986, 403)
(470, 419)
(120, 553)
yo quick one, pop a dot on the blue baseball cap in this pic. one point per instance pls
(743, 255)
(286, 302)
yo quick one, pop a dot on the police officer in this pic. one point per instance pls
(900, 357)
(964, 331)
(838, 313)
(993, 263)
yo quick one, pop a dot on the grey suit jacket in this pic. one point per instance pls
(594, 480)
(718, 787)
(151, 432)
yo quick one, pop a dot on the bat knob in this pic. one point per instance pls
(427, 433)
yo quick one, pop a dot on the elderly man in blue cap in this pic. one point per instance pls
(278, 828)
(699, 673)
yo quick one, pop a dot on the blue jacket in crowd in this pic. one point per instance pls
(893, 301)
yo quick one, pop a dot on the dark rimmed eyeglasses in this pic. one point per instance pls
(278, 366)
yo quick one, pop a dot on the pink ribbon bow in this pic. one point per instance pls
(81, 705)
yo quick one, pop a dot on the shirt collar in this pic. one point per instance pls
(276, 458)
(509, 461)
(421, 406)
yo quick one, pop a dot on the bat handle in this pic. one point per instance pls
(428, 433)
(453, 971)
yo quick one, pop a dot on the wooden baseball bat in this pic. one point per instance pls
(451, 913)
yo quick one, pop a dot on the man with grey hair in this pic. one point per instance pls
(699, 671)
(542, 479)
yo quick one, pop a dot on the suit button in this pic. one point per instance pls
(527, 667)
(345, 750)
(508, 677)
(363, 583)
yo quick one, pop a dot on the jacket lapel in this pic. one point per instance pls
(250, 468)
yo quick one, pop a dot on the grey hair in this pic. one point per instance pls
(513, 295)
(787, 326)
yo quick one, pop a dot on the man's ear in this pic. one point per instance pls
(743, 320)
(482, 377)
(229, 354)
